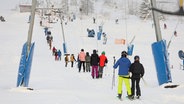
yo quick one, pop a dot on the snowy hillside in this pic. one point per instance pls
(53, 83)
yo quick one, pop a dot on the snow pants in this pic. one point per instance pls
(94, 71)
(87, 67)
(135, 84)
(126, 80)
(100, 71)
(82, 63)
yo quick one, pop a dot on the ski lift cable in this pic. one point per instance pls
(126, 27)
(179, 12)
(173, 34)
(126, 23)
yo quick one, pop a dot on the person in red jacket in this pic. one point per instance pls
(102, 62)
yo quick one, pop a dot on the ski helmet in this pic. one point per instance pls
(123, 53)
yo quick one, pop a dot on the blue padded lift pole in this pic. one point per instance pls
(160, 52)
(25, 66)
(27, 53)
(161, 62)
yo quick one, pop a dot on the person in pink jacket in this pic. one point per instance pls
(82, 56)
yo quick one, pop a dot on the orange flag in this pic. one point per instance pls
(119, 41)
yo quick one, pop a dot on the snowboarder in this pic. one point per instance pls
(72, 59)
(94, 63)
(123, 74)
(82, 56)
(88, 58)
(102, 61)
(137, 71)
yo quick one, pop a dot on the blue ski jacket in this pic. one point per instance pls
(124, 64)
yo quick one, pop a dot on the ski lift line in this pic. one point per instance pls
(177, 25)
(126, 23)
(172, 35)
(180, 12)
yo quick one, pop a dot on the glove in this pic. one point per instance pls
(130, 74)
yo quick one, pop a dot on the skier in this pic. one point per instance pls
(50, 42)
(165, 26)
(102, 61)
(56, 55)
(137, 71)
(123, 74)
(175, 33)
(48, 38)
(66, 60)
(45, 31)
(53, 51)
(104, 38)
(40, 22)
(78, 61)
(72, 59)
(116, 21)
(88, 58)
(59, 55)
(82, 56)
(94, 63)
(94, 20)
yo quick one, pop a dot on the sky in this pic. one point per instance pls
(8, 4)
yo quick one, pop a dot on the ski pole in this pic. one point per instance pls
(144, 82)
(113, 77)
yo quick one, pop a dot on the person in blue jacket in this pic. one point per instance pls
(123, 74)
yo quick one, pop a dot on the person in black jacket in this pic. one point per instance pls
(137, 71)
(94, 63)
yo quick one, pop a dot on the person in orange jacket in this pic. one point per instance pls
(102, 62)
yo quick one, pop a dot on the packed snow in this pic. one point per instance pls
(53, 83)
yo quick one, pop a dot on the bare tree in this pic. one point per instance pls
(86, 7)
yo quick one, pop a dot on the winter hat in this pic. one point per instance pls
(87, 53)
(82, 49)
(136, 57)
(94, 51)
(103, 52)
